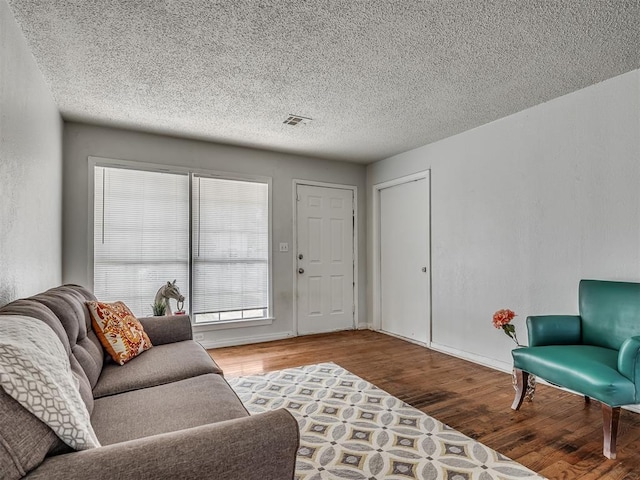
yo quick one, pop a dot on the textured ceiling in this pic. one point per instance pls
(377, 77)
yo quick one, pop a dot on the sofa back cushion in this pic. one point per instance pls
(24, 440)
(63, 309)
(68, 304)
(610, 312)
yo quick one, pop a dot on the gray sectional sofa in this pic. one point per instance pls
(167, 413)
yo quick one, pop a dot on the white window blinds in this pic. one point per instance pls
(141, 241)
(141, 235)
(230, 248)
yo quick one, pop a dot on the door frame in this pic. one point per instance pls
(377, 252)
(294, 268)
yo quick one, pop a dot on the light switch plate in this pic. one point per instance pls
(284, 247)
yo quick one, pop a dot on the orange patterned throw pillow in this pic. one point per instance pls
(119, 331)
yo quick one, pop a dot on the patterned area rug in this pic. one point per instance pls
(351, 429)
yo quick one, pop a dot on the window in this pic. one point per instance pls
(230, 249)
(142, 240)
(141, 235)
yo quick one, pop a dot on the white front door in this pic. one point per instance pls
(404, 260)
(325, 278)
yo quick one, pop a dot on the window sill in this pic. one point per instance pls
(228, 324)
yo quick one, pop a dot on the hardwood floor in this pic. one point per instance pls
(558, 435)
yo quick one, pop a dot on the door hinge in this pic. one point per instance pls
(353, 310)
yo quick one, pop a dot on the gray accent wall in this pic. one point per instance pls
(523, 208)
(82, 141)
(30, 171)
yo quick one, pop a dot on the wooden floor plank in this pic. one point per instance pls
(557, 435)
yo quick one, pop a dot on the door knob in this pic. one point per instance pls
(300, 256)
(301, 270)
(424, 269)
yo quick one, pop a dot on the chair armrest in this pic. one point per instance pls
(260, 447)
(167, 329)
(554, 330)
(629, 360)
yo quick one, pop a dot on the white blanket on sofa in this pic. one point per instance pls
(35, 371)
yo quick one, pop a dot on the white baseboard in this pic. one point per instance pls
(232, 342)
(410, 340)
(472, 357)
(363, 326)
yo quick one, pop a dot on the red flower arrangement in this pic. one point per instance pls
(502, 319)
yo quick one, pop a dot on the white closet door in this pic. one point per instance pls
(404, 260)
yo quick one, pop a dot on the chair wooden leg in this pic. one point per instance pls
(610, 420)
(522, 380)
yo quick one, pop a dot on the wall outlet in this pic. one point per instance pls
(198, 337)
(284, 247)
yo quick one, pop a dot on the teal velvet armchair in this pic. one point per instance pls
(595, 353)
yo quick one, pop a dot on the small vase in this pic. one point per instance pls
(531, 386)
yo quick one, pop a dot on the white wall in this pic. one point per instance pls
(82, 141)
(30, 171)
(523, 208)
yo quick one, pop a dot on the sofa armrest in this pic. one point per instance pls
(554, 330)
(260, 447)
(167, 329)
(629, 360)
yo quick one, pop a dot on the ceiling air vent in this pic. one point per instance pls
(295, 120)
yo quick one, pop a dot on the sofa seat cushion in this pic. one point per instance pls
(590, 370)
(165, 408)
(157, 366)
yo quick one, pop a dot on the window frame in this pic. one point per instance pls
(95, 161)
